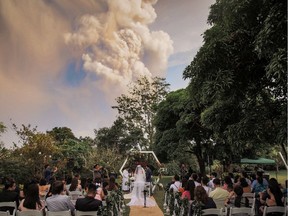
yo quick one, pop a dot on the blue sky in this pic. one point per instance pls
(63, 63)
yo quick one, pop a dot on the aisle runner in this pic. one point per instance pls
(149, 211)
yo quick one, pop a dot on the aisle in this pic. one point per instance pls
(141, 211)
(149, 211)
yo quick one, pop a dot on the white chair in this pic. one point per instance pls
(3, 213)
(58, 213)
(241, 211)
(214, 211)
(85, 213)
(250, 197)
(274, 209)
(74, 195)
(30, 213)
(10, 205)
(220, 203)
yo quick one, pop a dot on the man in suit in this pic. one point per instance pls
(89, 203)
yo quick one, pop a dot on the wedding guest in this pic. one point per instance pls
(89, 203)
(58, 201)
(32, 200)
(176, 184)
(9, 194)
(244, 184)
(75, 186)
(212, 177)
(260, 184)
(189, 190)
(204, 183)
(201, 201)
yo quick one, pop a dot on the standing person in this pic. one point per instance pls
(137, 198)
(97, 171)
(89, 203)
(48, 172)
(32, 199)
(125, 180)
(58, 201)
(183, 171)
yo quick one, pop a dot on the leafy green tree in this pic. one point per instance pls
(239, 75)
(73, 152)
(138, 108)
(179, 132)
(36, 149)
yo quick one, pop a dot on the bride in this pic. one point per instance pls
(137, 198)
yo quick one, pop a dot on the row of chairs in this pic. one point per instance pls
(49, 213)
(40, 212)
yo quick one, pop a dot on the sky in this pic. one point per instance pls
(64, 62)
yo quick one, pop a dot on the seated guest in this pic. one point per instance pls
(58, 201)
(32, 200)
(176, 184)
(219, 195)
(9, 195)
(246, 187)
(204, 183)
(235, 198)
(75, 186)
(227, 181)
(89, 203)
(273, 196)
(202, 201)
(188, 190)
(43, 187)
(260, 184)
(112, 186)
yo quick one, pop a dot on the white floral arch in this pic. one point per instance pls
(144, 152)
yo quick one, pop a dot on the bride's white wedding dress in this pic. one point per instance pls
(137, 197)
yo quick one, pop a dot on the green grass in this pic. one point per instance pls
(281, 176)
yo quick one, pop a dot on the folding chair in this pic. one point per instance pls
(9, 205)
(85, 213)
(274, 209)
(3, 213)
(30, 213)
(214, 211)
(58, 213)
(241, 211)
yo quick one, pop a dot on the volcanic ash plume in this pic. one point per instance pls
(117, 44)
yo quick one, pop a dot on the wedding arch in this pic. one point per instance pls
(143, 152)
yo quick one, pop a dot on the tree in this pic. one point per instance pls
(138, 107)
(239, 75)
(35, 150)
(179, 130)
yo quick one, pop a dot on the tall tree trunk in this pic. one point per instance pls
(200, 159)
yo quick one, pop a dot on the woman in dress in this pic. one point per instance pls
(137, 198)
(32, 200)
(125, 180)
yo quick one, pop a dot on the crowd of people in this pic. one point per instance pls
(55, 193)
(213, 192)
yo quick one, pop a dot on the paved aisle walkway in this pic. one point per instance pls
(149, 211)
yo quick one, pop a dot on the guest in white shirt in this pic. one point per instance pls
(176, 184)
(212, 177)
